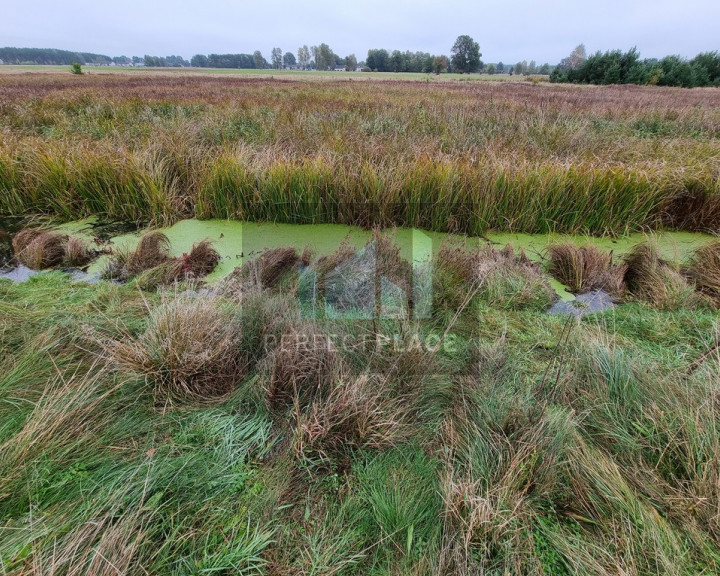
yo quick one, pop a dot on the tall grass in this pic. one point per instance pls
(442, 157)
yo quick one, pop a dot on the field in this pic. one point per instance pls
(446, 156)
(310, 398)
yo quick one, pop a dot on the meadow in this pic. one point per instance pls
(213, 406)
(463, 157)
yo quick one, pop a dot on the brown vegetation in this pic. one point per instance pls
(42, 249)
(189, 351)
(650, 278)
(585, 268)
(704, 271)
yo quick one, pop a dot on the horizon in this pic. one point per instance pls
(526, 32)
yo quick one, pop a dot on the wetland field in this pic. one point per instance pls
(257, 325)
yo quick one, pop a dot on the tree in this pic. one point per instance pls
(289, 60)
(440, 64)
(324, 57)
(259, 60)
(491, 69)
(500, 68)
(199, 61)
(303, 57)
(351, 63)
(276, 58)
(377, 60)
(576, 59)
(76, 68)
(465, 55)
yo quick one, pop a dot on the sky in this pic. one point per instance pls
(507, 31)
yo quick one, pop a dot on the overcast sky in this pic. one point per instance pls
(507, 31)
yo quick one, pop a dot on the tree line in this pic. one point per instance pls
(49, 56)
(617, 67)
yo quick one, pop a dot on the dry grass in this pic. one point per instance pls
(264, 272)
(650, 278)
(501, 278)
(359, 412)
(585, 268)
(189, 351)
(704, 270)
(41, 249)
(152, 251)
(305, 366)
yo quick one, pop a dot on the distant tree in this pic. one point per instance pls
(396, 62)
(351, 63)
(303, 58)
(156, 61)
(176, 61)
(377, 60)
(76, 68)
(199, 61)
(544, 69)
(500, 68)
(324, 57)
(465, 55)
(289, 60)
(440, 64)
(259, 60)
(512, 70)
(576, 59)
(276, 58)
(491, 69)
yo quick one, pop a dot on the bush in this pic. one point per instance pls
(76, 68)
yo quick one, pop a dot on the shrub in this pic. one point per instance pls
(76, 68)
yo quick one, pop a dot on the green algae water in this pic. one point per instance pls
(239, 241)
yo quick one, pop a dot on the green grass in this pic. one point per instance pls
(534, 445)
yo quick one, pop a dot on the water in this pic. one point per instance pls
(239, 241)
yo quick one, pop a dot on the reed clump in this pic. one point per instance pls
(41, 249)
(653, 279)
(704, 271)
(189, 351)
(152, 265)
(586, 268)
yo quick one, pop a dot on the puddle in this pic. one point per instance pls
(19, 274)
(584, 304)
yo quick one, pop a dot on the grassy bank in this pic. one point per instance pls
(156, 432)
(153, 432)
(456, 157)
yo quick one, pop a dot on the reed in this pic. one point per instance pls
(449, 156)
